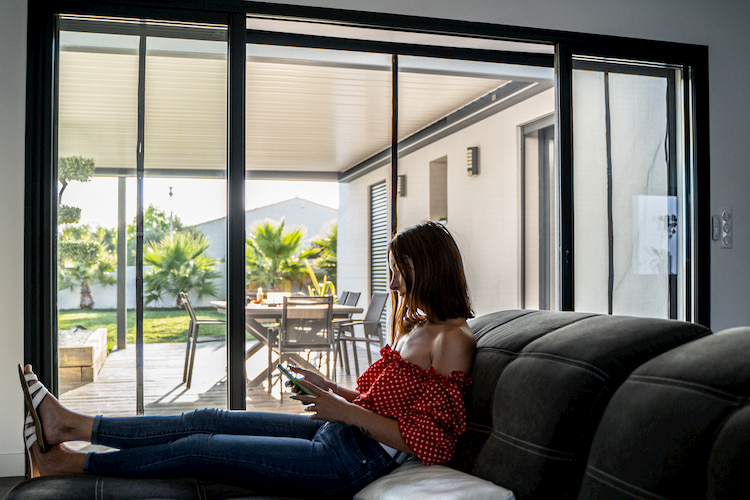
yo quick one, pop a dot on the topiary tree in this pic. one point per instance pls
(83, 255)
(83, 261)
(71, 168)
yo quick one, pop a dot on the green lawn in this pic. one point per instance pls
(159, 325)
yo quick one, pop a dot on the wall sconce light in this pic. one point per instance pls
(472, 161)
(401, 185)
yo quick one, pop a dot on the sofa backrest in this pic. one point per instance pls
(541, 383)
(678, 427)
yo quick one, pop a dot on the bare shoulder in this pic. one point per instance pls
(453, 349)
(456, 336)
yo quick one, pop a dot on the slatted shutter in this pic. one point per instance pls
(378, 238)
(379, 242)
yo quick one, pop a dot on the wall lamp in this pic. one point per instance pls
(401, 185)
(472, 161)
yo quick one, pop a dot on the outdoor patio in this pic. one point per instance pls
(113, 393)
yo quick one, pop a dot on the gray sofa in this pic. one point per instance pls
(566, 405)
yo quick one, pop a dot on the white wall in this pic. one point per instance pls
(475, 203)
(105, 296)
(720, 25)
(12, 133)
(353, 263)
(483, 210)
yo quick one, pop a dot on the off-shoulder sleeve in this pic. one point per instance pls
(438, 416)
(375, 370)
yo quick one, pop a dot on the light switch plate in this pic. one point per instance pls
(715, 227)
(727, 227)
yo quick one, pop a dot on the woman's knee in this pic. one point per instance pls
(202, 420)
(194, 445)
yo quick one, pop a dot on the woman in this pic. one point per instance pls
(408, 402)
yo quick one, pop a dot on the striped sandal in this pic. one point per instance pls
(29, 438)
(33, 392)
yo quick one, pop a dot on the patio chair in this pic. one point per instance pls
(305, 327)
(193, 339)
(372, 331)
(351, 298)
(347, 299)
(343, 295)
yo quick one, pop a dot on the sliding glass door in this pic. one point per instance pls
(631, 176)
(311, 113)
(459, 157)
(141, 174)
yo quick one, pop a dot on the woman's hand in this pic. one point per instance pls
(325, 404)
(308, 375)
(329, 406)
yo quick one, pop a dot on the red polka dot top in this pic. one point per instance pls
(429, 406)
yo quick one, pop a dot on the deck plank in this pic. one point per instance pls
(113, 392)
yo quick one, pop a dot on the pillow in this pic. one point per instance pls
(415, 480)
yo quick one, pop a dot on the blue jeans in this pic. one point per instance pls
(268, 452)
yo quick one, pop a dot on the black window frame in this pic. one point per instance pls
(40, 321)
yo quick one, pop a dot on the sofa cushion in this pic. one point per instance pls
(729, 461)
(541, 382)
(417, 481)
(679, 427)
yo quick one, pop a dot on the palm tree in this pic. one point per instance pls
(108, 239)
(323, 250)
(156, 225)
(271, 259)
(180, 264)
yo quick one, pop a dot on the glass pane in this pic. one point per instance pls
(98, 98)
(308, 110)
(628, 190)
(184, 202)
(183, 192)
(312, 115)
(98, 130)
(460, 154)
(380, 35)
(186, 106)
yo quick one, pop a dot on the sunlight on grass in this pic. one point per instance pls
(159, 325)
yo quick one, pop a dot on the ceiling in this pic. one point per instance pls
(308, 110)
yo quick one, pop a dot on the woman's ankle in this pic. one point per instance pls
(61, 424)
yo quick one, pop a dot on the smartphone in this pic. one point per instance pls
(293, 379)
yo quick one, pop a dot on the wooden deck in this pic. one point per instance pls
(113, 393)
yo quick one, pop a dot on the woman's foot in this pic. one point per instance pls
(58, 459)
(60, 424)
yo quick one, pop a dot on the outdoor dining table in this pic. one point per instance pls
(259, 318)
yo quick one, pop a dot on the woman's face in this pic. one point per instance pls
(397, 283)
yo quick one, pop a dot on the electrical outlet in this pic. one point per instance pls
(727, 223)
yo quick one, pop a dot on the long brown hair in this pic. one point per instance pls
(430, 263)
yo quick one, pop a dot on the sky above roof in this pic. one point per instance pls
(192, 200)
